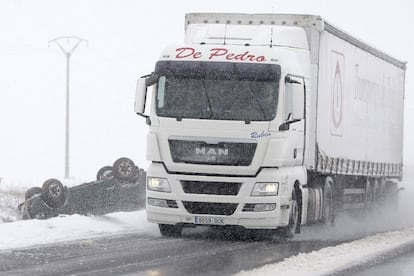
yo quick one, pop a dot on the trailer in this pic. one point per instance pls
(270, 121)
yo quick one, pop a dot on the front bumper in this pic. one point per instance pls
(178, 213)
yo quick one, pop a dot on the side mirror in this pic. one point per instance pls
(140, 96)
(298, 101)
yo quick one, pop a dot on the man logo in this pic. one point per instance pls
(211, 151)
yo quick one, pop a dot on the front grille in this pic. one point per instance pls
(210, 188)
(222, 153)
(210, 208)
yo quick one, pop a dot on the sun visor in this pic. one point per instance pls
(219, 70)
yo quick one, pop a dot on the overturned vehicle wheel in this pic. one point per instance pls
(53, 193)
(32, 192)
(105, 173)
(124, 169)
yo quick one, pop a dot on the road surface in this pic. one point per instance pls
(196, 253)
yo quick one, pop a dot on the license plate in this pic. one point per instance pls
(209, 220)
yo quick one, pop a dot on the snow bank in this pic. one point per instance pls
(338, 258)
(75, 227)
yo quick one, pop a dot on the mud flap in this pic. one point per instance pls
(299, 202)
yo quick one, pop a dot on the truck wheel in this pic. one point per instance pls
(376, 195)
(104, 173)
(290, 230)
(53, 193)
(391, 195)
(369, 196)
(124, 169)
(168, 230)
(328, 207)
(382, 192)
(32, 192)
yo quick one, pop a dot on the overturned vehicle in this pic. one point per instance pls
(120, 187)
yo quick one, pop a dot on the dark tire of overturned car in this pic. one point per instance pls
(105, 173)
(54, 193)
(124, 169)
(32, 192)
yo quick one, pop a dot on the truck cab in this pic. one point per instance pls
(227, 126)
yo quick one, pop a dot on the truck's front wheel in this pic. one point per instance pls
(168, 230)
(290, 230)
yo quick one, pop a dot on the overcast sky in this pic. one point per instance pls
(125, 40)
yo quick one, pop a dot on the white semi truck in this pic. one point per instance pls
(270, 121)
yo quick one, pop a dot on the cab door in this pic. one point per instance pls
(294, 118)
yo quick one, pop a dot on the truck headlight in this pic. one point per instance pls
(265, 189)
(158, 184)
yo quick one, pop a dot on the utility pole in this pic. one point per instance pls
(68, 45)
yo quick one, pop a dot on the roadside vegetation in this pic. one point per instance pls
(10, 197)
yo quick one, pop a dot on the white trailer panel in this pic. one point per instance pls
(360, 102)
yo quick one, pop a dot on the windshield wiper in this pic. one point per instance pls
(208, 99)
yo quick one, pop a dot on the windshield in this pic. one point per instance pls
(217, 90)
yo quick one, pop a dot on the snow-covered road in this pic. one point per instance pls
(317, 251)
(124, 243)
(333, 255)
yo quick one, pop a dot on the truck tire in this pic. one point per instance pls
(168, 230)
(391, 195)
(53, 193)
(376, 195)
(369, 196)
(32, 192)
(104, 173)
(381, 192)
(124, 169)
(328, 207)
(289, 231)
